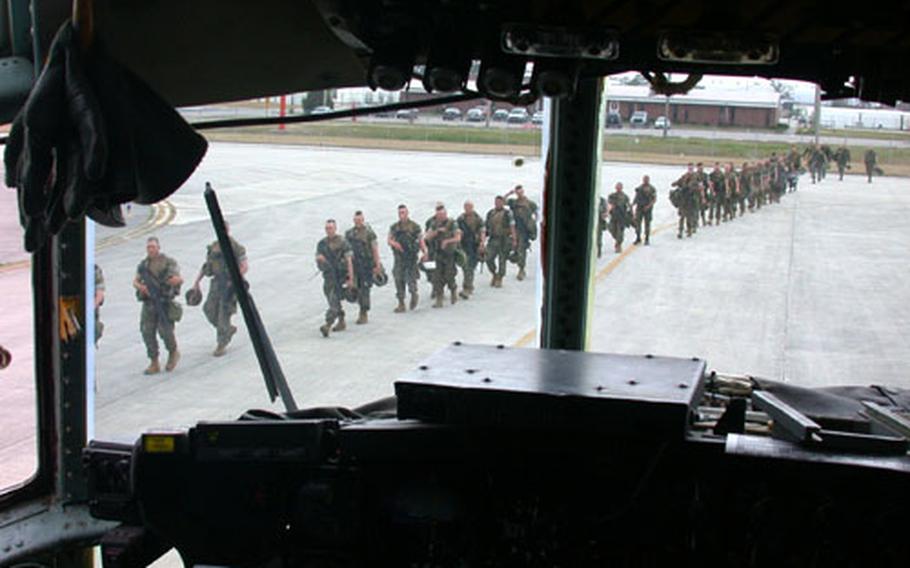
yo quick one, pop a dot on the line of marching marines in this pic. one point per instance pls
(350, 263)
(723, 194)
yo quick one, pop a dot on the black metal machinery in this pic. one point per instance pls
(501, 456)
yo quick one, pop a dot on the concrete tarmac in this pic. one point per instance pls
(809, 291)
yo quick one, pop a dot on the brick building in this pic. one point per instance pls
(707, 107)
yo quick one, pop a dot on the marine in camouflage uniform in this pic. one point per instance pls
(157, 283)
(686, 202)
(816, 163)
(334, 259)
(405, 239)
(502, 237)
(645, 198)
(794, 164)
(842, 157)
(718, 210)
(221, 302)
(869, 159)
(99, 301)
(442, 240)
(473, 235)
(365, 249)
(620, 211)
(707, 196)
(734, 190)
(525, 212)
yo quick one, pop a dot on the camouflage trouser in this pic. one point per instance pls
(617, 230)
(498, 249)
(363, 294)
(151, 323)
(333, 297)
(688, 217)
(218, 309)
(444, 274)
(718, 209)
(99, 327)
(601, 227)
(869, 169)
(646, 217)
(521, 251)
(841, 168)
(405, 275)
(470, 267)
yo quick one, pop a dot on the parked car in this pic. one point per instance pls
(407, 113)
(451, 113)
(662, 122)
(537, 117)
(321, 110)
(476, 114)
(518, 116)
(500, 115)
(638, 118)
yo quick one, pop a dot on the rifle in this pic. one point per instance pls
(275, 381)
(154, 292)
(332, 263)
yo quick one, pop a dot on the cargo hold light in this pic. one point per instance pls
(720, 48)
(543, 41)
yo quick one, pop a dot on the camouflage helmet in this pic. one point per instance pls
(381, 278)
(350, 294)
(461, 258)
(193, 297)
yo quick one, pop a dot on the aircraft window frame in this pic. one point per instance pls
(40, 484)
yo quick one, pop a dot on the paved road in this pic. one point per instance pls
(811, 290)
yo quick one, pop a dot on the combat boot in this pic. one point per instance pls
(172, 358)
(493, 281)
(400, 307)
(647, 241)
(454, 296)
(153, 369)
(340, 325)
(219, 350)
(464, 294)
(362, 318)
(499, 281)
(438, 302)
(617, 247)
(637, 242)
(325, 328)
(414, 299)
(521, 274)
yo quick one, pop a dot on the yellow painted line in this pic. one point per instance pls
(601, 275)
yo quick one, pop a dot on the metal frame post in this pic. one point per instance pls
(570, 201)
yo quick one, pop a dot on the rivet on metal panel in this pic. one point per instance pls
(633, 382)
(683, 385)
(487, 380)
(500, 347)
(649, 356)
(470, 371)
(423, 367)
(457, 343)
(600, 388)
(696, 359)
